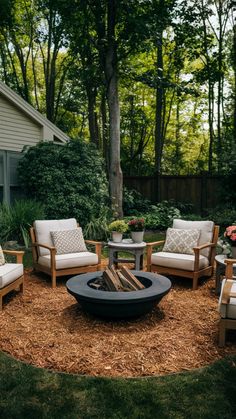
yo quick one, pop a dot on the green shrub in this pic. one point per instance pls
(97, 228)
(223, 216)
(70, 180)
(159, 217)
(134, 202)
(193, 217)
(184, 207)
(15, 220)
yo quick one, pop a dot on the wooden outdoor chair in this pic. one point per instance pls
(188, 251)
(11, 274)
(69, 256)
(227, 302)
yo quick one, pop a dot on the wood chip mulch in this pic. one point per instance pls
(48, 328)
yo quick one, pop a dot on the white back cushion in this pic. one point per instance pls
(44, 227)
(206, 231)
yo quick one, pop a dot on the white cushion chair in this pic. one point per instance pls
(59, 249)
(11, 274)
(227, 302)
(189, 250)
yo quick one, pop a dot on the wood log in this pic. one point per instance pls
(126, 283)
(128, 275)
(111, 280)
(122, 280)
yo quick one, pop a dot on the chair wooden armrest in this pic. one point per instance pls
(98, 248)
(43, 245)
(197, 250)
(18, 253)
(229, 268)
(149, 251)
(227, 293)
(157, 243)
(203, 246)
(53, 252)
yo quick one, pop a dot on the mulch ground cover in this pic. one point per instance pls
(49, 329)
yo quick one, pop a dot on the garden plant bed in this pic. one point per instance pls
(47, 328)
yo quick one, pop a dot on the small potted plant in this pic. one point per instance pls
(117, 228)
(136, 227)
(230, 235)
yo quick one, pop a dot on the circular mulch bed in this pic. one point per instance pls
(48, 328)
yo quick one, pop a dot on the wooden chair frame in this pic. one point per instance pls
(226, 323)
(196, 273)
(19, 282)
(52, 271)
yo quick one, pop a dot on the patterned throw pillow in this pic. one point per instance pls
(2, 258)
(68, 241)
(181, 241)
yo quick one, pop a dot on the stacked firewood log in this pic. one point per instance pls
(121, 280)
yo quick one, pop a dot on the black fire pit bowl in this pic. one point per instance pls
(119, 305)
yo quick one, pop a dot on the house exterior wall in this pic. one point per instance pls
(16, 128)
(20, 125)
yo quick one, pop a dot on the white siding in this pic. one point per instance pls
(16, 128)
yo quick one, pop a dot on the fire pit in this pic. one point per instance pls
(118, 305)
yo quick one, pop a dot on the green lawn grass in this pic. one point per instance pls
(29, 392)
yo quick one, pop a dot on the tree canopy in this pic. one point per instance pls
(152, 82)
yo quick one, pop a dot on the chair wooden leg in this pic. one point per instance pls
(54, 280)
(22, 285)
(222, 332)
(195, 281)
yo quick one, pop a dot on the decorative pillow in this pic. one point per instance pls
(68, 241)
(181, 241)
(2, 258)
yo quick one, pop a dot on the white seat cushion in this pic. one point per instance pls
(43, 230)
(70, 260)
(9, 272)
(178, 260)
(206, 231)
(228, 310)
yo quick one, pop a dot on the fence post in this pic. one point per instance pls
(204, 176)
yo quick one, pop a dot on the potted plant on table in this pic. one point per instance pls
(117, 228)
(136, 227)
(230, 235)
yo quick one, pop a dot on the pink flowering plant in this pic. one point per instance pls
(136, 224)
(230, 235)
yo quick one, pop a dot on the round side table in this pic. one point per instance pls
(220, 270)
(126, 245)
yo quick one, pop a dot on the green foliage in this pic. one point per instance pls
(184, 207)
(118, 225)
(223, 216)
(15, 220)
(161, 216)
(134, 202)
(97, 228)
(70, 180)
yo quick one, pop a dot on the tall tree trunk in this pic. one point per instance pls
(219, 94)
(234, 61)
(210, 122)
(115, 172)
(104, 132)
(159, 116)
(92, 115)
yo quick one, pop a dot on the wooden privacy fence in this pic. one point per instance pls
(202, 191)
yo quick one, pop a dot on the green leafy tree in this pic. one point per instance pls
(69, 180)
